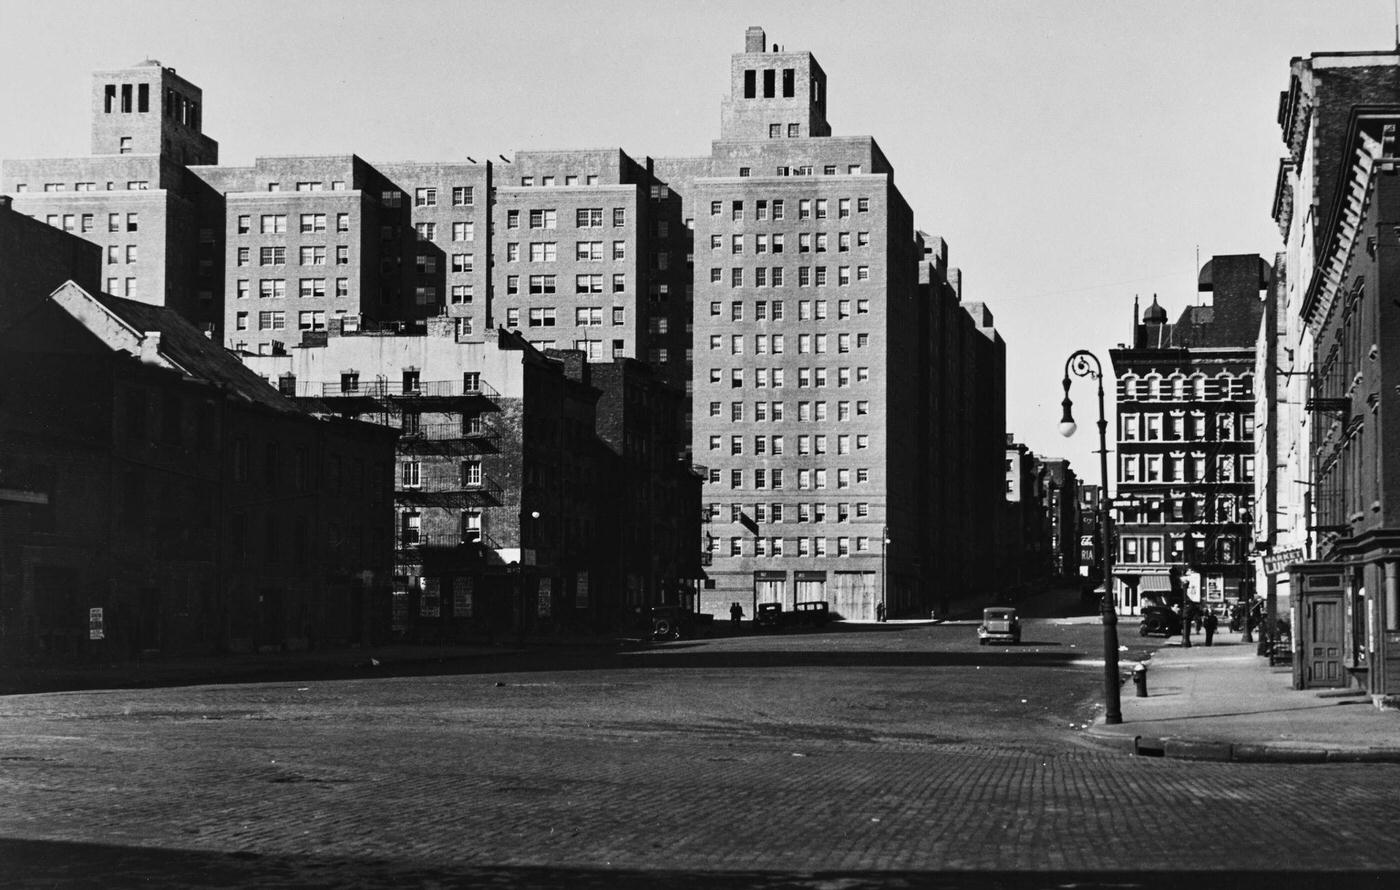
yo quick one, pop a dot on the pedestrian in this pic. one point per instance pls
(736, 614)
(1210, 622)
(879, 611)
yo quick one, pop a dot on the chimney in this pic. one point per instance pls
(754, 39)
(150, 348)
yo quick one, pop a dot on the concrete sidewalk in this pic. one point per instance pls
(1224, 702)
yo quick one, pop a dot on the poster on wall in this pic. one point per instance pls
(96, 630)
(546, 597)
(462, 597)
(581, 594)
(430, 606)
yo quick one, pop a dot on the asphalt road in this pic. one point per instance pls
(892, 755)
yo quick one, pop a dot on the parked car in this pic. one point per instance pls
(675, 622)
(1159, 621)
(814, 612)
(770, 616)
(1000, 625)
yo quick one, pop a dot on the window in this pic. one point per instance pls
(310, 288)
(273, 224)
(272, 320)
(463, 262)
(542, 284)
(821, 208)
(425, 197)
(426, 231)
(462, 196)
(588, 217)
(411, 476)
(543, 219)
(619, 216)
(588, 251)
(313, 222)
(314, 255)
(588, 284)
(862, 204)
(512, 219)
(541, 317)
(272, 289)
(463, 231)
(461, 294)
(272, 256)
(342, 255)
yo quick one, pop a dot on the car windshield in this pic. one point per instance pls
(998, 614)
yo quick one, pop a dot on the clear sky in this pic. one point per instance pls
(1073, 153)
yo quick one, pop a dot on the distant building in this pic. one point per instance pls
(165, 499)
(1060, 486)
(1185, 405)
(527, 483)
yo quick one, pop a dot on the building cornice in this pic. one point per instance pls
(1371, 135)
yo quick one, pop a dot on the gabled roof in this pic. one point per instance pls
(161, 337)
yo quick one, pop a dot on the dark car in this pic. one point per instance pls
(1159, 621)
(675, 622)
(770, 615)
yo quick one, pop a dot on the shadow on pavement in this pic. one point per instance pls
(35, 864)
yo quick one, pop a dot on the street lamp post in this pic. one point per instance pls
(884, 572)
(1079, 363)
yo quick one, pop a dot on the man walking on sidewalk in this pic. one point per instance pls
(1209, 623)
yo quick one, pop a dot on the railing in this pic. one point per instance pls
(443, 541)
(378, 389)
(445, 432)
(485, 493)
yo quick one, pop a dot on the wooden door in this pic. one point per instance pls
(1323, 645)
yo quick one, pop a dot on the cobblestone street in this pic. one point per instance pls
(890, 755)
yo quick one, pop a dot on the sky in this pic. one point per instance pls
(1074, 154)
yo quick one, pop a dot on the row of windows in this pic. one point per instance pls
(806, 546)
(461, 195)
(806, 444)
(584, 251)
(776, 242)
(541, 285)
(1180, 550)
(806, 378)
(426, 264)
(773, 344)
(133, 185)
(1181, 507)
(1193, 467)
(1178, 387)
(308, 254)
(807, 310)
(1176, 426)
(116, 222)
(468, 475)
(773, 378)
(807, 276)
(584, 316)
(807, 208)
(276, 288)
(803, 511)
(570, 179)
(807, 412)
(276, 320)
(584, 218)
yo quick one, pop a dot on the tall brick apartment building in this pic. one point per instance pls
(836, 383)
(1185, 406)
(847, 404)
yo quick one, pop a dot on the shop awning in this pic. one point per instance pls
(1151, 583)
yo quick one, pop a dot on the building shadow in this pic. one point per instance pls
(33, 864)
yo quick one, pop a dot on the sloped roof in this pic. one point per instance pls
(201, 358)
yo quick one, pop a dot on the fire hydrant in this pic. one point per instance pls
(1140, 679)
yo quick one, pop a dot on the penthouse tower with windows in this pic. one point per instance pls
(813, 302)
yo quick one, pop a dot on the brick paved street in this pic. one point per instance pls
(897, 756)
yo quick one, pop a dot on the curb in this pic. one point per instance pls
(1236, 752)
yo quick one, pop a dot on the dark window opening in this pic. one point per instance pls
(109, 97)
(750, 84)
(770, 83)
(143, 97)
(788, 83)
(126, 98)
